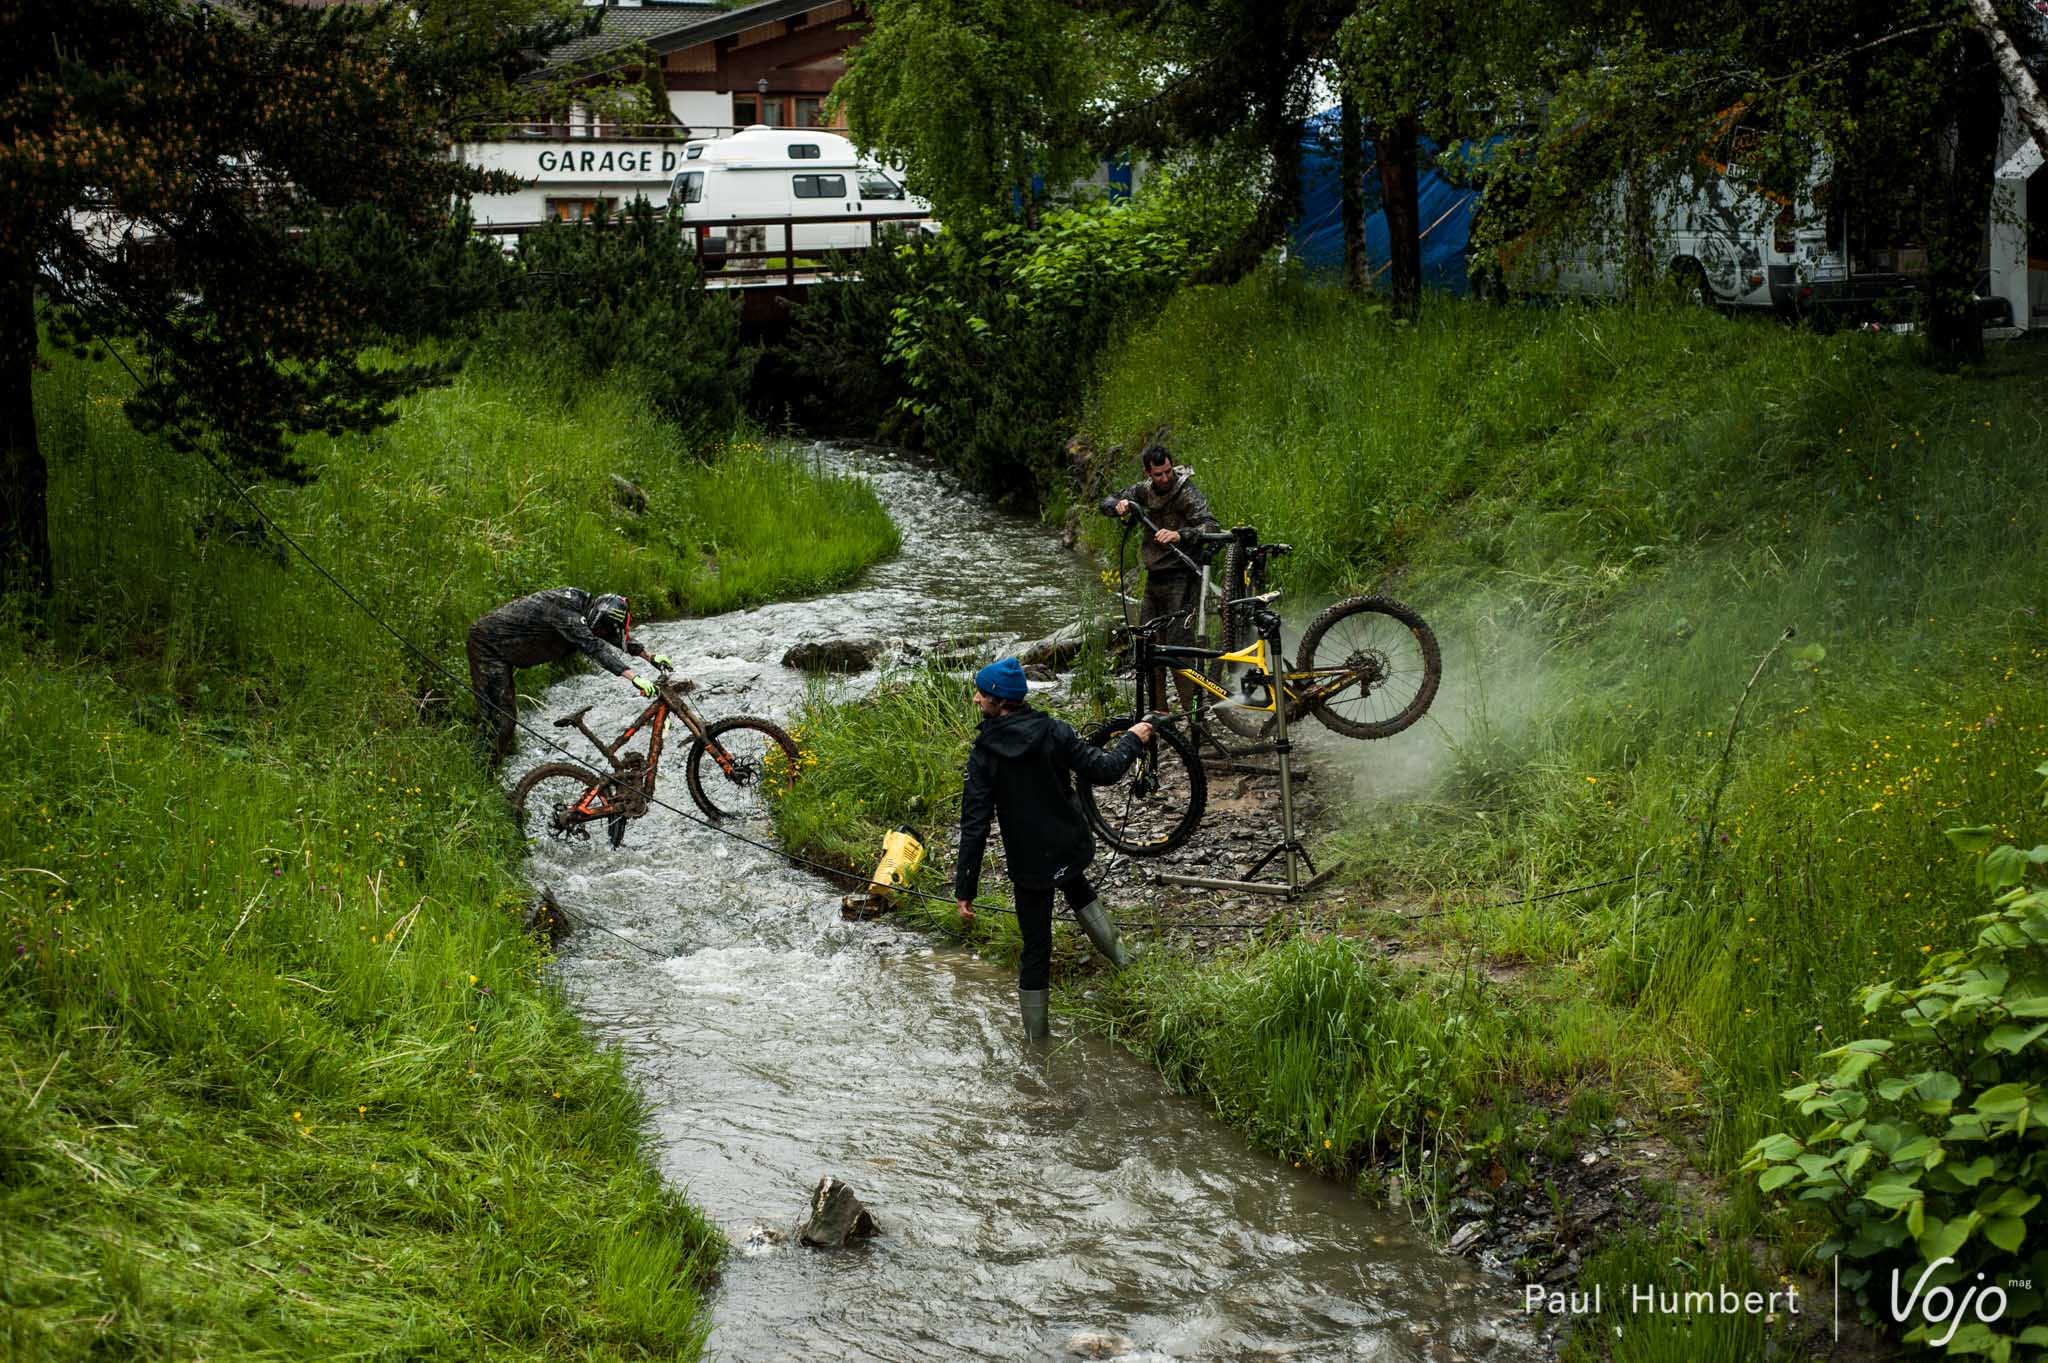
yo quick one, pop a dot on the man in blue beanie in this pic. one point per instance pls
(1021, 770)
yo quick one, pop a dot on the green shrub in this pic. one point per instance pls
(984, 344)
(624, 296)
(1934, 1150)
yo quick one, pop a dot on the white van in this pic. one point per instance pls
(764, 172)
(1724, 241)
(1730, 244)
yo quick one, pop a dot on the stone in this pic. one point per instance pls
(1098, 1344)
(833, 655)
(545, 917)
(1080, 457)
(837, 1217)
(629, 495)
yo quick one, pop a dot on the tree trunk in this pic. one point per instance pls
(1961, 200)
(1351, 200)
(24, 478)
(1400, 197)
(2026, 94)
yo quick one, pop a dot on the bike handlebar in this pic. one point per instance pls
(1107, 506)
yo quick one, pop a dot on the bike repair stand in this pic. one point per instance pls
(1233, 758)
(1289, 849)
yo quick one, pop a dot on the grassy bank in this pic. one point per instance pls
(1610, 517)
(284, 1075)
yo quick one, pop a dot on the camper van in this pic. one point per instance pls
(1726, 242)
(764, 172)
(1730, 244)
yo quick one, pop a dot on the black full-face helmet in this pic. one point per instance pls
(609, 617)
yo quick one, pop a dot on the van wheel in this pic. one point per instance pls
(1487, 287)
(1693, 287)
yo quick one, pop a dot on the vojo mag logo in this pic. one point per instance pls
(1940, 1306)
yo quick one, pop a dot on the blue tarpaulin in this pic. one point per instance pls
(1316, 238)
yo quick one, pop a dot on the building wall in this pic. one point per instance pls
(573, 171)
(707, 113)
(712, 87)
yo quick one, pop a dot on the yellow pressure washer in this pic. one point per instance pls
(902, 855)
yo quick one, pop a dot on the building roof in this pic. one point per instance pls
(669, 25)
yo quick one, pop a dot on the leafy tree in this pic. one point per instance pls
(245, 198)
(625, 295)
(981, 99)
(1236, 75)
(1408, 68)
(1889, 110)
(988, 101)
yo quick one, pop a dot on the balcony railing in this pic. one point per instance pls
(720, 262)
(566, 130)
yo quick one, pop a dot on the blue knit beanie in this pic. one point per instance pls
(1004, 680)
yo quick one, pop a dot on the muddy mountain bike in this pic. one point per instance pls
(734, 765)
(1156, 805)
(1366, 667)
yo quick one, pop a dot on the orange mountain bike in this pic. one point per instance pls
(735, 765)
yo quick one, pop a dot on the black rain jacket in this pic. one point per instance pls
(547, 627)
(1021, 770)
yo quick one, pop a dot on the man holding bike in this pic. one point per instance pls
(1021, 773)
(546, 627)
(1169, 496)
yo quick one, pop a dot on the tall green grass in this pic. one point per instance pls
(498, 485)
(284, 1075)
(892, 758)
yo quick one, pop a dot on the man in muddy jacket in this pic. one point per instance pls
(1021, 771)
(1169, 496)
(546, 627)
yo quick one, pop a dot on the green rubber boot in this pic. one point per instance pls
(1035, 1004)
(1095, 922)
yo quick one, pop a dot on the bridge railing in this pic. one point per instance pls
(721, 262)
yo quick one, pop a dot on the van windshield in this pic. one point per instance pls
(875, 185)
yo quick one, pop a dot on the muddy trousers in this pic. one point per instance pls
(497, 701)
(1034, 921)
(1170, 597)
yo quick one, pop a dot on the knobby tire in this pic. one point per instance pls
(750, 742)
(1138, 822)
(535, 817)
(1395, 655)
(1237, 632)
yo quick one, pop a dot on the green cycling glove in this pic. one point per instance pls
(646, 687)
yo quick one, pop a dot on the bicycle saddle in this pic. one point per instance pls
(571, 721)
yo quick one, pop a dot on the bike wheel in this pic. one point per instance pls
(1392, 660)
(742, 763)
(1153, 807)
(545, 800)
(1243, 576)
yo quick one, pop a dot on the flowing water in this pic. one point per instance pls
(1033, 1205)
